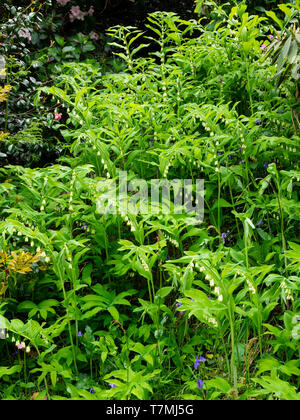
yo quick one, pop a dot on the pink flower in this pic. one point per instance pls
(25, 33)
(264, 46)
(62, 2)
(94, 36)
(57, 117)
(271, 37)
(20, 347)
(76, 13)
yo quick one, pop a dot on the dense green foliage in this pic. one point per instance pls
(151, 306)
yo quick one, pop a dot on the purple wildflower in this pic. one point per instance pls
(84, 226)
(199, 360)
(224, 236)
(79, 334)
(178, 304)
(266, 165)
(200, 384)
(112, 385)
(92, 391)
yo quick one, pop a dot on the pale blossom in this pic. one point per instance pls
(62, 2)
(25, 33)
(76, 13)
(94, 36)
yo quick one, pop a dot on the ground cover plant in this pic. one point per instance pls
(139, 305)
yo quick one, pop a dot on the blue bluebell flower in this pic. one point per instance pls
(199, 360)
(178, 304)
(224, 236)
(200, 384)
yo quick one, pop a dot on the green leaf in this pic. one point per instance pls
(164, 291)
(10, 371)
(53, 376)
(267, 364)
(114, 313)
(221, 203)
(220, 384)
(273, 16)
(60, 40)
(26, 306)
